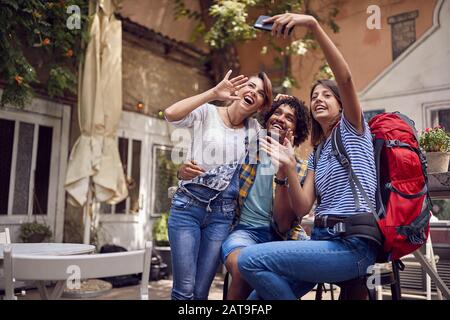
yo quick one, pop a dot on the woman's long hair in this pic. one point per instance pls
(267, 84)
(317, 134)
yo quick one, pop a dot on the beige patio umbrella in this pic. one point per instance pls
(95, 171)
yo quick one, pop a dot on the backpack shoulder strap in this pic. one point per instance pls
(317, 152)
(341, 155)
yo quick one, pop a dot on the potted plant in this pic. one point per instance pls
(436, 144)
(34, 232)
(161, 239)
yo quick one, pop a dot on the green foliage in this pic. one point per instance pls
(161, 231)
(231, 25)
(441, 209)
(435, 140)
(31, 231)
(325, 72)
(34, 35)
(61, 78)
(181, 10)
(230, 19)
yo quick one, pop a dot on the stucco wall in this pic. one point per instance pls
(420, 78)
(155, 80)
(158, 15)
(368, 52)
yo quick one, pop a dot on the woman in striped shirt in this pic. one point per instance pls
(288, 270)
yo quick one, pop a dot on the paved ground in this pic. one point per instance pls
(158, 290)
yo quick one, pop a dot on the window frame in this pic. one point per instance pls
(429, 108)
(156, 146)
(131, 135)
(53, 195)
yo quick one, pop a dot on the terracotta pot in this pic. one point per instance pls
(437, 161)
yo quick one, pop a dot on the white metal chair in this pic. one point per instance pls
(4, 237)
(71, 269)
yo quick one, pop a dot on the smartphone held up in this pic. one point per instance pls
(259, 24)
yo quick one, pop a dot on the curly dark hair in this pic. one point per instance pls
(302, 123)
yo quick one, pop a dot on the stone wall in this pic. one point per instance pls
(155, 80)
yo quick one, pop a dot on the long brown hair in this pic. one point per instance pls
(267, 84)
(317, 134)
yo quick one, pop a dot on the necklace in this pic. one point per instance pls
(229, 119)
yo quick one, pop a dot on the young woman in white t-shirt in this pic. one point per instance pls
(204, 205)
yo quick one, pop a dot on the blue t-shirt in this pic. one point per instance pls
(331, 179)
(257, 208)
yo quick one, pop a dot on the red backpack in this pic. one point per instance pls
(403, 204)
(402, 199)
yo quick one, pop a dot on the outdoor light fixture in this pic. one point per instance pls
(140, 106)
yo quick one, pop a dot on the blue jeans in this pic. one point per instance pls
(286, 270)
(244, 236)
(196, 237)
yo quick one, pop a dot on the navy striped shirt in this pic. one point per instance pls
(331, 179)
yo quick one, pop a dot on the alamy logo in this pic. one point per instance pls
(74, 280)
(374, 20)
(74, 21)
(374, 279)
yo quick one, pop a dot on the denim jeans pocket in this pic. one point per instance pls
(229, 209)
(180, 200)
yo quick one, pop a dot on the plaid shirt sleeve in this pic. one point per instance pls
(247, 176)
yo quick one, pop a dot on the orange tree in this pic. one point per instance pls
(42, 35)
(223, 23)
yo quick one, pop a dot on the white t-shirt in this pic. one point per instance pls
(213, 143)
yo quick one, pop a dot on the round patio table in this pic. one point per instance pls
(57, 249)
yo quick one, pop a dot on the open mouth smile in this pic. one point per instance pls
(249, 100)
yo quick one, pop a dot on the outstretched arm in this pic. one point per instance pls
(223, 91)
(341, 70)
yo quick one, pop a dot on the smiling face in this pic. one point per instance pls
(324, 105)
(282, 120)
(253, 95)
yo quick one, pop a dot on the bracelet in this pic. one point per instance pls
(281, 182)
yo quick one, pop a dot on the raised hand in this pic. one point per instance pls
(189, 170)
(284, 23)
(281, 96)
(281, 155)
(225, 90)
(289, 139)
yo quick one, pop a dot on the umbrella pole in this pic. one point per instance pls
(87, 217)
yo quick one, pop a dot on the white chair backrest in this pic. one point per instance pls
(4, 237)
(58, 268)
